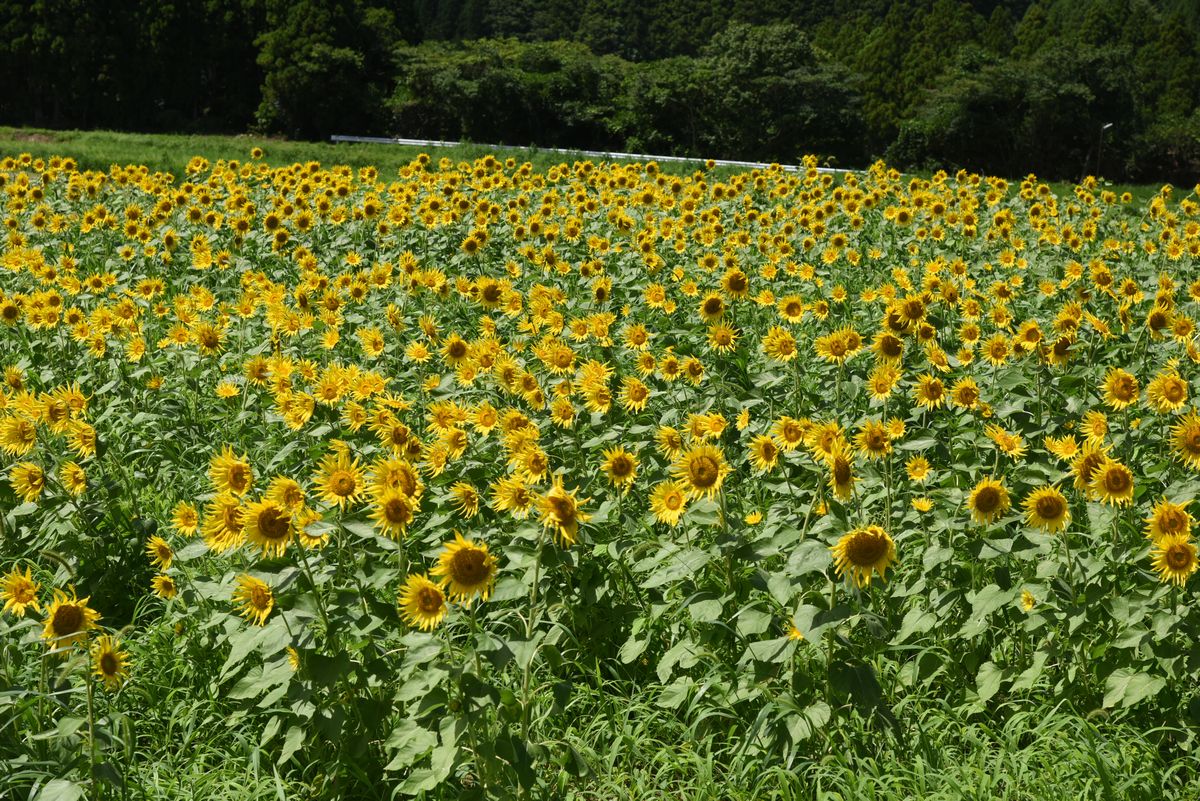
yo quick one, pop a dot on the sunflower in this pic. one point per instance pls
(268, 526)
(1174, 559)
(1168, 519)
(392, 512)
(965, 393)
(466, 569)
(873, 440)
(988, 501)
(1185, 440)
(882, 381)
(841, 471)
(255, 598)
(185, 518)
(560, 511)
(764, 453)
(668, 502)
(164, 586)
(929, 392)
(620, 466)
(110, 662)
(422, 603)
(339, 480)
(68, 620)
(779, 344)
(702, 469)
(917, 468)
(160, 553)
(511, 494)
(18, 435)
(224, 524)
(790, 432)
(1086, 464)
(1120, 388)
(1064, 448)
(1046, 508)
(1167, 392)
(229, 473)
(286, 493)
(74, 478)
(862, 552)
(27, 480)
(465, 499)
(1112, 482)
(19, 591)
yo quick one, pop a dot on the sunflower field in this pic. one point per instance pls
(414, 484)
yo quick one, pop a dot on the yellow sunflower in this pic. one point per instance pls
(20, 592)
(27, 480)
(68, 620)
(160, 553)
(422, 603)
(1112, 482)
(110, 662)
(1185, 440)
(466, 569)
(702, 469)
(1174, 559)
(340, 480)
(268, 526)
(392, 512)
(862, 553)
(230, 473)
(1046, 508)
(988, 501)
(1168, 519)
(668, 502)
(1120, 388)
(560, 511)
(620, 466)
(255, 598)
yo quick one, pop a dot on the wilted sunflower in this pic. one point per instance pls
(1112, 482)
(1046, 508)
(668, 502)
(560, 511)
(1175, 559)
(110, 662)
(988, 501)
(19, 591)
(466, 569)
(702, 469)
(255, 598)
(230, 473)
(422, 603)
(1168, 519)
(68, 620)
(620, 466)
(863, 552)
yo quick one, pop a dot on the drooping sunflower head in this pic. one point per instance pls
(560, 511)
(1046, 508)
(988, 501)
(466, 569)
(841, 471)
(255, 599)
(862, 553)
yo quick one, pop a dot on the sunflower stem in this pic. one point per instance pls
(529, 622)
(91, 713)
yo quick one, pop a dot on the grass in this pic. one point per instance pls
(98, 150)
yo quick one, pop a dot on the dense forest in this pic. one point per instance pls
(1003, 86)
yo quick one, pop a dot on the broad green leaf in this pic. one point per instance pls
(1126, 687)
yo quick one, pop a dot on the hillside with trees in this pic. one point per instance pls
(1003, 86)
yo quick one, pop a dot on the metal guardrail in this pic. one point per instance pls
(383, 140)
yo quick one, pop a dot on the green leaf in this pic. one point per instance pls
(917, 620)
(1125, 687)
(410, 741)
(803, 725)
(291, 744)
(60, 790)
(987, 681)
